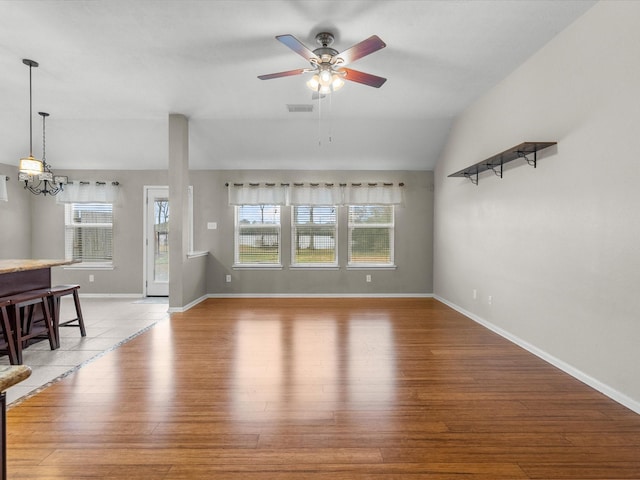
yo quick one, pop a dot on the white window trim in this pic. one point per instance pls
(236, 251)
(256, 266)
(378, 266)
(310, 266)
(87, 265)
(190, 249)
(90, 266)
(372, 266)
(192, 252)
(314, 266)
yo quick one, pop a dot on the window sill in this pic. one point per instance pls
(89, 266)
(197, 254)
(314, 267)
(372, 267)
(257, 266)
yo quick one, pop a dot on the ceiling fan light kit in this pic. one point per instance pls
(325, 82)
(328, 65)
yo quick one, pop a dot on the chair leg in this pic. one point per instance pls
(26, 327)
(53, 338)
(17, 332)
(55, 312)
(8, 336)
(76, 301)
(56, 300)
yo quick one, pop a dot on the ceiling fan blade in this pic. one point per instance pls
(364, 78)
(288, 73)
(359, 50)
(297, 46)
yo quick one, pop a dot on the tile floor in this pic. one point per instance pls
(109, 322)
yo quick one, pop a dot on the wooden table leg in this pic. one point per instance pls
(9, 376)
(3, 435)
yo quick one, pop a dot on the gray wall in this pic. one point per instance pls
(128, 212)
(413, 238)
(557, 247)
(15, 217)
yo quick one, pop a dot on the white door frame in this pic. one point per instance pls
(158, 289)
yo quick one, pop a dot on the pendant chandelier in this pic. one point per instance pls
(36, 174)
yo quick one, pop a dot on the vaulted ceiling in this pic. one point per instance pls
(112, 71)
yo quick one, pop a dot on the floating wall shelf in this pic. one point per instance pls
(496, 162)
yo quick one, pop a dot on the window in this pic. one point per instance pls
(89, 233)
(371, 235)
(191, 241)
(257, 239)
(314, 235)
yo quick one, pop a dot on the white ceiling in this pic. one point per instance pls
(111, 72)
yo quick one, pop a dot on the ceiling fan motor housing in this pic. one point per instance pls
(324, 39)
(325, 53)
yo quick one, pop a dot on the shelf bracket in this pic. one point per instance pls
(531, 161)
(495, 170)
(470, 176)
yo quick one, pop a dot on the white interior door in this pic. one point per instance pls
(157, 242)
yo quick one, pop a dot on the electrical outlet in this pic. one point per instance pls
(368, 278)
(91, 278)
(475, 294)
(228, 278)
(489, 299)
(212, 225)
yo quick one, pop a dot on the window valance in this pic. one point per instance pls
(89, 192)
(257, 194)
(315, 194)
(371, 193)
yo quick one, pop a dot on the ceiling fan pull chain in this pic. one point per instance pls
(319, 118)
(330, 117)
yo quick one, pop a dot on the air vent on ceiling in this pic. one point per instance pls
(299, 108)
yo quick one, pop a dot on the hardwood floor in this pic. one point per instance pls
(321, 388)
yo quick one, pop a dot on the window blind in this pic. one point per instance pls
(89, 232)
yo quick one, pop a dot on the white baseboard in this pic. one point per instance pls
(263, 295)
(320, 295)
(110, 295)
(296, 295)
(188, 306)
(603, 388)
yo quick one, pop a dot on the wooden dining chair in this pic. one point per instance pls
(24, 323)
(57, 293)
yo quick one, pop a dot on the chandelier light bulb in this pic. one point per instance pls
(31, 166)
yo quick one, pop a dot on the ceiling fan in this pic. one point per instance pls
(328, 66)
